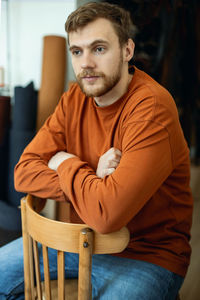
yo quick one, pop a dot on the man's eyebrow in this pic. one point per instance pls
(73, 47)
(96, 42)
(100, 41)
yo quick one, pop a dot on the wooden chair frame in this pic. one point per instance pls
(64, 237)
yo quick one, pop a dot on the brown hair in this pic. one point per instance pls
(91, 11)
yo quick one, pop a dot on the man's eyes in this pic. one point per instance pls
(96, 50)
(76, 52)
(100, 50)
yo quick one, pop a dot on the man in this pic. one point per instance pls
(115, 150)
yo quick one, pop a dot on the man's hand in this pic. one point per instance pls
(108, 162)
(58, 158)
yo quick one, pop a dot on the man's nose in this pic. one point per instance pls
(87, 61)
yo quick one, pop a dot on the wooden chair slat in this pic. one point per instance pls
(31, 266)
(61, 275)
(27, 282)
(85, 264)
(37, 270)
(46, 273)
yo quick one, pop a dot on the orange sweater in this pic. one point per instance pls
(148, 192)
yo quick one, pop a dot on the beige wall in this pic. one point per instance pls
(29, 21)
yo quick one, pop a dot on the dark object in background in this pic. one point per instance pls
(25, 108)
(21, 133)
(10, 223)
(7, 236)
(4, 126)
(4, 166)
(18, 140)
(10, 217)
(167, 48)
(16, 137)
(4, 116)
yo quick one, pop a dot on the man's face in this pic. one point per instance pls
(97, 57)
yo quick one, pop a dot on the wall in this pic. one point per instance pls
(3, 42)
(29, 21)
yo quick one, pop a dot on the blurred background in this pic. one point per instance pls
(35, 69)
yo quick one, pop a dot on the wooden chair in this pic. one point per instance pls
(64, 237)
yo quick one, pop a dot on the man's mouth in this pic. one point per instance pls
(90, 78)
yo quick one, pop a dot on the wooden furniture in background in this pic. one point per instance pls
(53, 76)
(64, 237)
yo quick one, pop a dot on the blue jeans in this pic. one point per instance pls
(113, 278)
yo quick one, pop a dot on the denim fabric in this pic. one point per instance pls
(112, 277)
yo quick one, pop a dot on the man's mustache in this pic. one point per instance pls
(90, 73)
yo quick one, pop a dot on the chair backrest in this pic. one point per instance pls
(64, 237)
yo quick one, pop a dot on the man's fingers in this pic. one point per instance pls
(113, 154)
(114, 151)
(114, 157)
(113, 163)
(108, 162)
(108, 171)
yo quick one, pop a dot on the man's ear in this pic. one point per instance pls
(129, 50)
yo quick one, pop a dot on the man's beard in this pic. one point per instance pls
(108, 82)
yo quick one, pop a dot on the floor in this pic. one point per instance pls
(191, 287)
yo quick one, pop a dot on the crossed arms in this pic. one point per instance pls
(107, 164)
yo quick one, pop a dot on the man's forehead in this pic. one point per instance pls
(100, 29)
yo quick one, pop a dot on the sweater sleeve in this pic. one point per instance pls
(108, 204)
(32, 174)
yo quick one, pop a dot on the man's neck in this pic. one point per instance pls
(116, 93)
